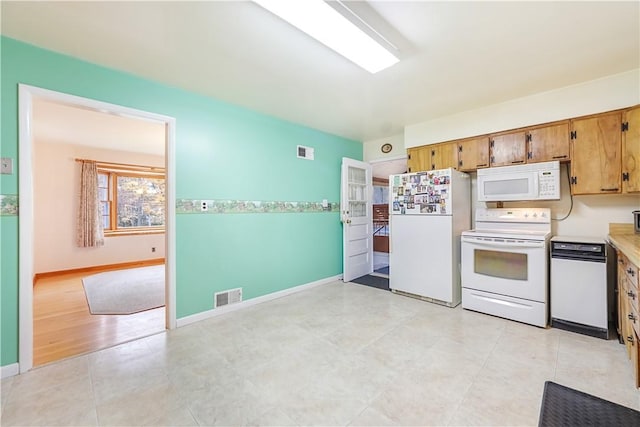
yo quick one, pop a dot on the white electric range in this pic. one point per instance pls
(505, 264)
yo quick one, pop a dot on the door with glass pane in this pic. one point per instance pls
(356, 217)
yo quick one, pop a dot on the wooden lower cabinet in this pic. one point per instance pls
(628, 309)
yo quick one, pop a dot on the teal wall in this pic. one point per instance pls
(222, 152)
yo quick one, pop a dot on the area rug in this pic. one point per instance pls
(125, 291)
(564, 406)
(373, 281)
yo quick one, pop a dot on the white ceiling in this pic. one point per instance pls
(456, 56)
(57, 123)
(389, 167)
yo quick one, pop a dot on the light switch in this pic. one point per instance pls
(6, 165)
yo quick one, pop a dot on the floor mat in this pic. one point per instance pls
(383, 270)
(374, 281)
(564, 406)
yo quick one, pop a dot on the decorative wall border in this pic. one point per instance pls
(194, 206)
(8, 204)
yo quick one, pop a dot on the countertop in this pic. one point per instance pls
(626, 240)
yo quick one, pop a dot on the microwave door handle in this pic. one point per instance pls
(536, 185)
(504, 244)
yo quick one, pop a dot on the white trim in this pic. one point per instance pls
(25, 226)
(26, 94)
(388, 159)
(183, 321)
(9, 370)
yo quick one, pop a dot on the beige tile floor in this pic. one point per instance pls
(337, 354)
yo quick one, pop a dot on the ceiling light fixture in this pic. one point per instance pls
(325, 24)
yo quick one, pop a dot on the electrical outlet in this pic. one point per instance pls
(205, 205)
(6, 166)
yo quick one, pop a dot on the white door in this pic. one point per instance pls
(356, 217)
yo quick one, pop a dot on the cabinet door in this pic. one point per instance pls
(473, 154)
(419, 159)
(622, 296)
(595, 154)
(549, 143)
(631, 151)
(444, 156)
(508, 149)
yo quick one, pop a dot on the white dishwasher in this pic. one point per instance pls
(582, 286)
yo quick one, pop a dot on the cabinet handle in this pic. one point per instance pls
(631, 272)
(560, 157)
(632, 317)
(630, 339)
(609, 189)
(522, 161)
(631, 295)
(484, 165)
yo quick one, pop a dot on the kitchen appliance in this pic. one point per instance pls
(583, 271)
(535, 181)
(429, 210)
(505, 264)
(636, 221)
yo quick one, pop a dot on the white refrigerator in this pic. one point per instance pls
(427, 213)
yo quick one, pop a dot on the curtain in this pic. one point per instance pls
(90, 231)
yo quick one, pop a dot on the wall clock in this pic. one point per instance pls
(386, 148)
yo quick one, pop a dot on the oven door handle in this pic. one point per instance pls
(493, 243)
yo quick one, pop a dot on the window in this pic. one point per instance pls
(132, 199)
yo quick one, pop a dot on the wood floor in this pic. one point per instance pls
(64, 327)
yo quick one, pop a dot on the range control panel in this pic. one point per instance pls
(522, 215)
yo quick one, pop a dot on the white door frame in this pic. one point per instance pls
(26, 94)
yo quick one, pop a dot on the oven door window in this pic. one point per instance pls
(505, 265)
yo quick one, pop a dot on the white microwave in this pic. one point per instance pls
(536, 181)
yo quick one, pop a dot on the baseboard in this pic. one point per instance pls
(258, 300)
(9, 370)
(99, 268)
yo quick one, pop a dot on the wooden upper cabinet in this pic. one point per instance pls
(419, 159)
(444, 156)
(631, 151)
(595, 154)
(473, 154)
(548, 143)
(508, 149)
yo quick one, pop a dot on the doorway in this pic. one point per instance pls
(382, 169)
(28, 97)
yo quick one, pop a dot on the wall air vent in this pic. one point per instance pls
(227, 297)
(305, 152)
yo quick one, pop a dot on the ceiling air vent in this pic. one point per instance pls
(305, 152)
(227, 297)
